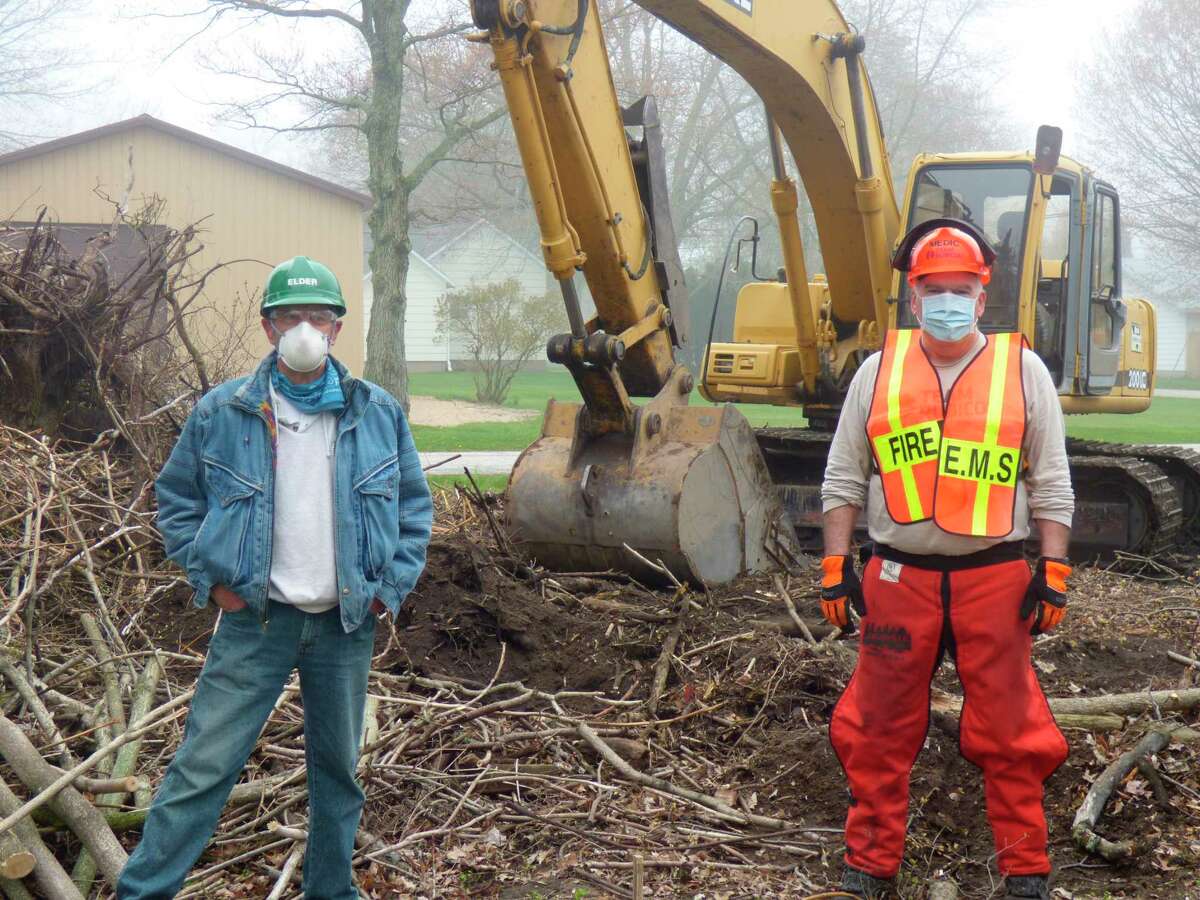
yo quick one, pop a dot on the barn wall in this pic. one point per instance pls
(253, 217)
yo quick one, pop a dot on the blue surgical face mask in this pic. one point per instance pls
(947, 317)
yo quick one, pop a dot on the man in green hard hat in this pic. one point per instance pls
(295, 500)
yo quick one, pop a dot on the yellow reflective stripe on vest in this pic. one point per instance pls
(911, 496)
(991, 430)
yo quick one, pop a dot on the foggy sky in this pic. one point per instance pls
(1032, 47)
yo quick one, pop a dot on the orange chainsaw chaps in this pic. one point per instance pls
(880, 723)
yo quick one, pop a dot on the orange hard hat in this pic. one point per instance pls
(947, 249)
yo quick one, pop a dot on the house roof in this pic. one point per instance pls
(476, 226)
(414, 255)
(428, 239)
(147, 121)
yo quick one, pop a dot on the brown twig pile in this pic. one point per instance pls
(101, 341)
(491, 761)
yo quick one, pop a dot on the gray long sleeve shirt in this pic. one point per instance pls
(1043, 492)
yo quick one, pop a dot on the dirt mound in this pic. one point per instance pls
(465, 613)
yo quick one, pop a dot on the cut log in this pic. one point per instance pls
(1103, 705)
(15, 860)
(49, 876)
(118, 820)
(108, 673)
(1128, 704)
(84, 819)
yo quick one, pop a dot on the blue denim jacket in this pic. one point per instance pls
(216, 496)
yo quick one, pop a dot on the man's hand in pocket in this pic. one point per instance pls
(226, 599)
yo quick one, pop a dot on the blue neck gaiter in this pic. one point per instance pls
(317, 396)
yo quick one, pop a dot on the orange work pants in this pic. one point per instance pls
(915, 614)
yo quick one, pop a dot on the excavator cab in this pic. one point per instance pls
(1057, 276)
(1058, 280)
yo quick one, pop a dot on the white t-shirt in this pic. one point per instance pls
(303, 561)
(1043, 492)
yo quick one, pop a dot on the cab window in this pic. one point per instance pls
(996, 200)
(1105, 272)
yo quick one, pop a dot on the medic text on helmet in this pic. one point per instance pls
(943, 249)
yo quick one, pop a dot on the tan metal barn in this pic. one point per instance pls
(256, 212)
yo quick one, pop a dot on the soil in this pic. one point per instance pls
(759, 706)
(432, 411)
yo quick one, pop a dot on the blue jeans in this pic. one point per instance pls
(243, 675)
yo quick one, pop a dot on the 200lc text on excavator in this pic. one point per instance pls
(695, 487)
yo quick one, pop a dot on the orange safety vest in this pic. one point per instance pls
(956, 462)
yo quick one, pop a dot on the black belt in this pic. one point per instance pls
(1008, 551)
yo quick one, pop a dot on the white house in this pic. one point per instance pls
(1173, 323)
(454, 257)
(1176, 310)
(426, 350)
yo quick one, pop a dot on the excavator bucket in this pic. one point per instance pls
(689, 491)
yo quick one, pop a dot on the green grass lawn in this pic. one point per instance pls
(1169, 419)
(531, 390)
(478, 436)
(495, 483)
(1179, 384)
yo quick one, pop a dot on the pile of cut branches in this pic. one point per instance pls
(489, 763)
(528, 733)
(97, 339)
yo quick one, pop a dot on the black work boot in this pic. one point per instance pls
(1035, 887)
(860, 884)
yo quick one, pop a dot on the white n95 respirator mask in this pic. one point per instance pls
(303, 348)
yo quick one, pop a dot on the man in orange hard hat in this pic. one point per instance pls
(953, 441)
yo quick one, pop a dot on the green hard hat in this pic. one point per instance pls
(302, 280)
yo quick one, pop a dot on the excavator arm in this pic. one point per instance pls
(804, 60)
(600, 198)
(590, 207)
(686, 486)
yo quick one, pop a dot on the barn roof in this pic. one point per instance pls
(183, 134)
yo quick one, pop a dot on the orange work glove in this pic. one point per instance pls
(1047, 594)
(841, 589)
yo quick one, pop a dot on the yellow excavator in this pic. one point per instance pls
(616, 484)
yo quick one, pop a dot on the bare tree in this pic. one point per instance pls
(501, 327)
(1141, 99)
(33, 69)
(932, 93)
(373, 101)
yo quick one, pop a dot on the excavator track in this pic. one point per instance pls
(1123, 501)
(1181, 465)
